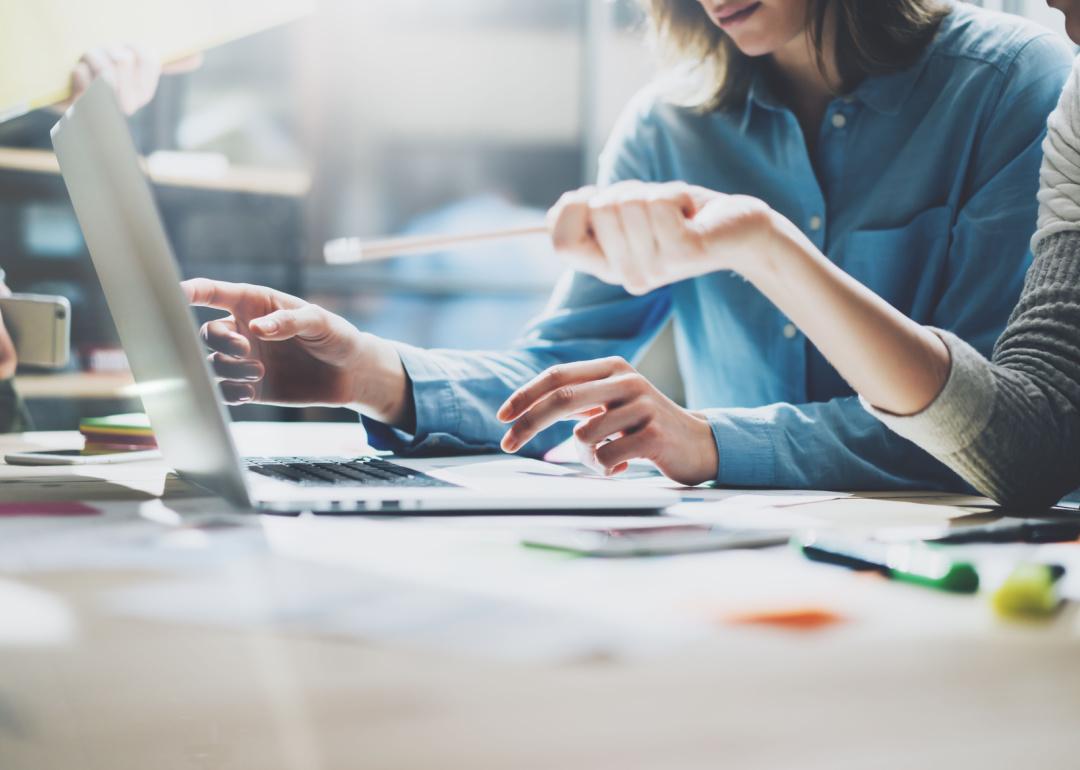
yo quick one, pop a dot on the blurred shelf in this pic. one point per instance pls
(109, 386)
(242, 179)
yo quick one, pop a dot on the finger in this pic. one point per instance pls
(221, 335)
(223, 295)
(564, 402)
(122, 62)
(699, 197)
(237, 392)
(237, 369)
(572, 236)
(622, 419)
(670, 224)
(643, 252)
(144, 76)
(556, 377)
(308, 323)
(81, 77)
(100, 65)
(632, 446)
(122, 57)
(568, 200)
(610, 236)
(587, 456)
(684, 196)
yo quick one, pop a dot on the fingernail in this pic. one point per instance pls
(267, 327)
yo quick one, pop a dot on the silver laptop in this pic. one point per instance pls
(138, 273)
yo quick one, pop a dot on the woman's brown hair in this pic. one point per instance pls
(871, 38)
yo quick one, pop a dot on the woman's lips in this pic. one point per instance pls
(729, 16)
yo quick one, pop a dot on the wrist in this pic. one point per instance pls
(380, 384)
(780, 243)
(707, 467)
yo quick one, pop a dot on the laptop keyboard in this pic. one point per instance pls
(359, 471)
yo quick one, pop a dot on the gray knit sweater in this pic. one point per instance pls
(1011, 427)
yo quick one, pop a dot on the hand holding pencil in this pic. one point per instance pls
(633, 234)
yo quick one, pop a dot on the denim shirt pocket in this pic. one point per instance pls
(904, 265)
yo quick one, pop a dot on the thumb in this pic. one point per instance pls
(306, 323)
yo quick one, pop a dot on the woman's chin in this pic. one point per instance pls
(755, 48)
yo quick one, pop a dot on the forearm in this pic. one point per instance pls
(897, 365)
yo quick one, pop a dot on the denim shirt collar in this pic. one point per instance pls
(885, 94)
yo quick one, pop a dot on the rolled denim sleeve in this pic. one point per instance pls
(831, 445)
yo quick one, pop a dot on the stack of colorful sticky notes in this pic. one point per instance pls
(118, 433)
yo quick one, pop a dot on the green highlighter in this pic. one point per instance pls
(917, 563)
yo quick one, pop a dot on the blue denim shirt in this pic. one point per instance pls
(922, 186)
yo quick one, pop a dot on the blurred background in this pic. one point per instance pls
(366, 119)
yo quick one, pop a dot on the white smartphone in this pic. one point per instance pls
(79, 457)
(40, 326)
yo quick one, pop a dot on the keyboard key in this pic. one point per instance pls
(363, 471)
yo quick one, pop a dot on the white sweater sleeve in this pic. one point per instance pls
(1059, 177)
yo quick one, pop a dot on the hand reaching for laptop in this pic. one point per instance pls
(625, 418)
(275, 348)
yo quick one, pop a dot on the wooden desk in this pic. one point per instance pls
(914, 679)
